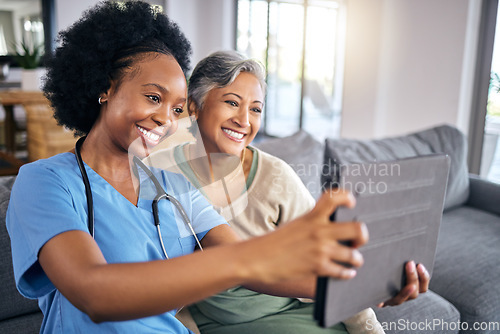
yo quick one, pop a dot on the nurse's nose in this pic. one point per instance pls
(164, 116)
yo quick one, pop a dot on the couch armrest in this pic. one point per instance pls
(483, 194)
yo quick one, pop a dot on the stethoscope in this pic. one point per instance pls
(160, 194)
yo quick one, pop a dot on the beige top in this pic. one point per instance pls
(275, 196)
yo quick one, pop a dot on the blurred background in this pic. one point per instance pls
(335, 68)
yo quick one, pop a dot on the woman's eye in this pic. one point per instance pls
(178, 111)
(257, 110)
(154, 98)
(232, 103)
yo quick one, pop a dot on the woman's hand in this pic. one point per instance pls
(417, 281)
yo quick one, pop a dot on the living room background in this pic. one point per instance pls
(409, 65)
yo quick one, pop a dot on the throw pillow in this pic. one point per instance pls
(442, 139)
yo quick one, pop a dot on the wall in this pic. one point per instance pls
(8, 32)
(209, 25)
(406, 65)
(68, 11)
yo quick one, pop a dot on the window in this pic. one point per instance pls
(301, 43)
(490, 159)
(484, 133)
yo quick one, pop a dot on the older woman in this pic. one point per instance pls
(256, 194)
(91, 239)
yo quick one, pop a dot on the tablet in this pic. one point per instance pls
(401, 203)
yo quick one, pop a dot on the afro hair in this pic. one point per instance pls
(97, 48)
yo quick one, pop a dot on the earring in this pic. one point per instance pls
(99, 100)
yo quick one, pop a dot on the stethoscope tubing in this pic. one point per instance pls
(86, 182)
(160, 194)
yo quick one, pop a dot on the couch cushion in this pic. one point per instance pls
(466, 269)
(25, 324)
(426, 312)
(12, 304)
(442, 139)
(303, 153)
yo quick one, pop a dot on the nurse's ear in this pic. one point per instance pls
(103, 97)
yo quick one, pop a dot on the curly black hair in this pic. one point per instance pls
(99, 48)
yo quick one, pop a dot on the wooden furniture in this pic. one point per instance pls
(44, 136)
(9, 99)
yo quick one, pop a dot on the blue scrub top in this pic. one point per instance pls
(48, 198)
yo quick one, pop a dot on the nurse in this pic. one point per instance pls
(118, 79)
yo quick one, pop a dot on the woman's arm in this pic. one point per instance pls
(75, 265)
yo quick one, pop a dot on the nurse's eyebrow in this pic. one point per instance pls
(163, 90)
(160, 87)
(256, 101)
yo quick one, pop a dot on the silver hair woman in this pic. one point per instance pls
(226, 96)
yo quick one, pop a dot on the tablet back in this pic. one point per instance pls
(401, 203)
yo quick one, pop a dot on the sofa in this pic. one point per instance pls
(464, 294)
(17, 314)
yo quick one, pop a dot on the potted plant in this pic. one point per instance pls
(30, 59)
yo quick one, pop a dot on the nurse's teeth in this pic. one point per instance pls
(234, 134)
(148, 134)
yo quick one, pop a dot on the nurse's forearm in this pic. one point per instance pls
(135, 290)
(108, 292)
(75, 265)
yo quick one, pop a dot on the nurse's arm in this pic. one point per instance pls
(106, 292)
(304, 287)
(299, 288)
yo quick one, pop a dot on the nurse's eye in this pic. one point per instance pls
(257, 110)
(232, 103)
(154, 98)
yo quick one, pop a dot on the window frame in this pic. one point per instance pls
(339, 63)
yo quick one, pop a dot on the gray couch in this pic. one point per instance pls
(464, 286)
(17, 314)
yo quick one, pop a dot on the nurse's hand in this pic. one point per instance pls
(310, 245)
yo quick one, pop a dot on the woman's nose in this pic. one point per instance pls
(242, 118)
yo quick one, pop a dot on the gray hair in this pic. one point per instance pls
(219, 70)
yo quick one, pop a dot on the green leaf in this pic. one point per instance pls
(30, 57)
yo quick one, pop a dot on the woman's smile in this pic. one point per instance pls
(231, 116)
(234, 135)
